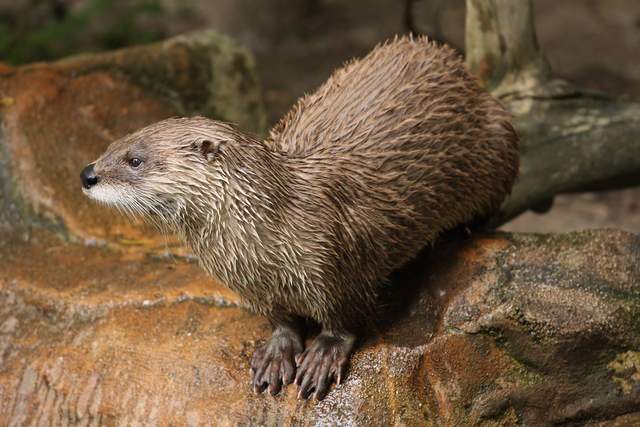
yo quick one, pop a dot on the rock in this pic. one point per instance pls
(59, 116)
(500, 329)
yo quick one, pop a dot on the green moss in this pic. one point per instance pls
(45, 31)
(506, 418)
(625, 369)
(523, 375)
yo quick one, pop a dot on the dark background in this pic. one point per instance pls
(297, 43)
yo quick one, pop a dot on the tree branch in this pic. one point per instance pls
(571, 140)
(501, 45)
(573, 144)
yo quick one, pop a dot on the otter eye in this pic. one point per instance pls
(135, 162)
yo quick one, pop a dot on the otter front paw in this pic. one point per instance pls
(322, 363)
(273, 364)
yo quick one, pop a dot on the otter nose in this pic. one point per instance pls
(88, 177)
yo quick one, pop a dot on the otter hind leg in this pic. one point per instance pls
(273, 364)
(323, 362)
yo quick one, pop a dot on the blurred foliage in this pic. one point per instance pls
(40, 30)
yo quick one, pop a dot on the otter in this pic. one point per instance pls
(393, 150)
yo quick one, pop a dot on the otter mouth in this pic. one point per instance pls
(112, 197)
(104, 194)
(125, 201)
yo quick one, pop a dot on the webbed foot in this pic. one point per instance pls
(324, 362)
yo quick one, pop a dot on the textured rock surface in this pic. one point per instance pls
(104, 323)
(57, 117)
(501, 329)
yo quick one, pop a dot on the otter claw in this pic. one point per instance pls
(273, 364)
(323, 362)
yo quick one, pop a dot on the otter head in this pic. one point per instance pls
(158, 170)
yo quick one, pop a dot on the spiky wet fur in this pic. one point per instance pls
(392, 150)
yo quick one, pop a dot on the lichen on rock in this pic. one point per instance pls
(626, 370)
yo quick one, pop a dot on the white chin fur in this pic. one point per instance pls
(124, 199)
(106, 194)
(114, 196)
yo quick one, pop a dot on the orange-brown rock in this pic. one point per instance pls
(497, 330)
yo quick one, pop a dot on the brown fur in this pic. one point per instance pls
(390, 152)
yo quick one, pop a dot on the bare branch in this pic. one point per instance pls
(574, 144)
(501, 45)
(572, 140)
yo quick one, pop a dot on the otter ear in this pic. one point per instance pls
(208, 148)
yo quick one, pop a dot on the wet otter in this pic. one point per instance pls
(391, 151)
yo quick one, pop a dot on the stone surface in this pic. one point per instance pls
(495, 330)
